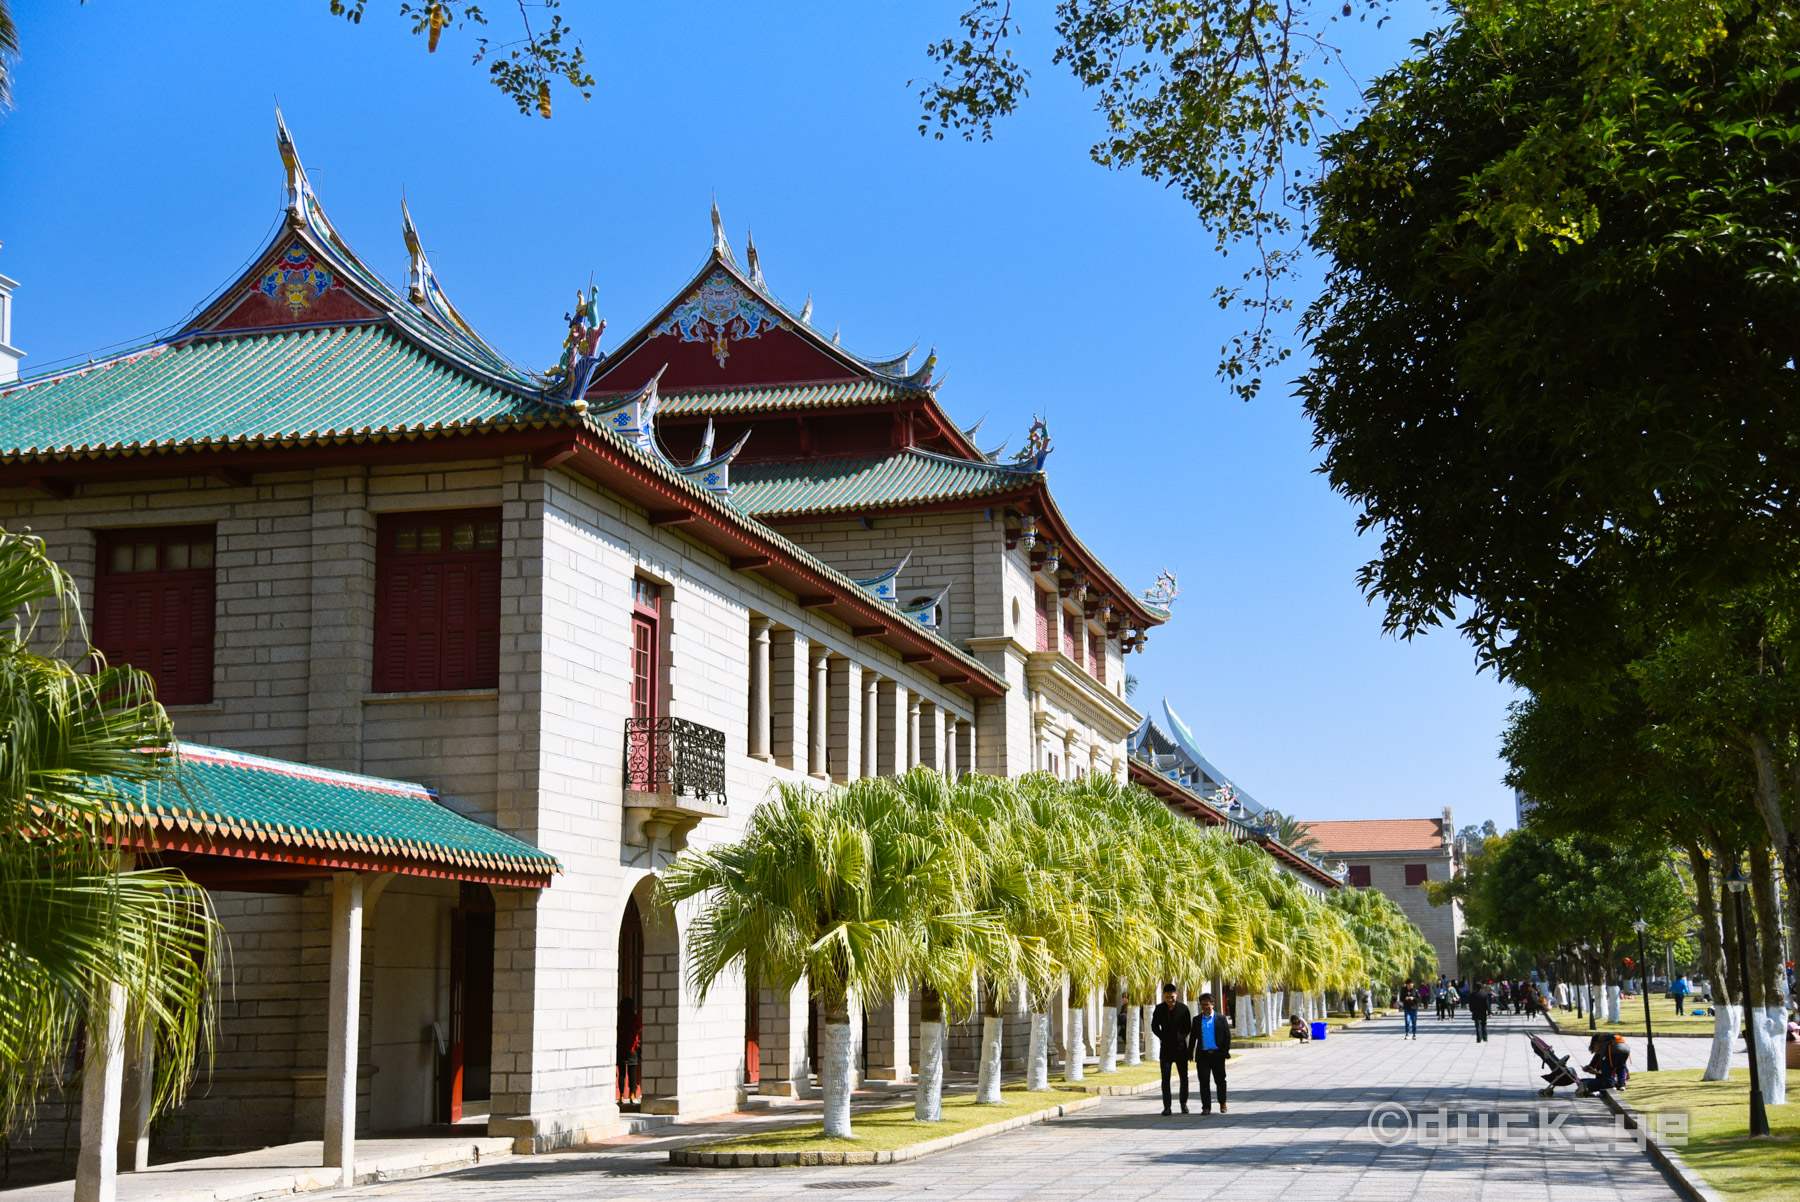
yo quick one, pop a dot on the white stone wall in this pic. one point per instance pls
(541, 757)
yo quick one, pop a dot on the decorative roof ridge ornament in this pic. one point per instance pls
(418, 267)
(299, 188)
(1163, 592)
(975, 429)
(581, 348)
(709, 471)
(922, 377)
(721, 246)
(924, 611)
(1037, 446)
(750, 257)
(895, 367)
(993, 456)
(806, 310)
(885, 587)
(633, 417)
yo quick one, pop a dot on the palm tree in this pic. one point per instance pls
(9, 53)
(79, 931)
(1293, 833)
(808, 893)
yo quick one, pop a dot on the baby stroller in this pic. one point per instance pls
(1560, 1073)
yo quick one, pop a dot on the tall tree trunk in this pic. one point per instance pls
(1109, 1027)
(1134, 1034)
(1727, 998)
(1037, 1054)
(928, 1090)
(1074, 1067)
(1712, 956)
(993, 1023)
(1769, 980)
(839, 1053)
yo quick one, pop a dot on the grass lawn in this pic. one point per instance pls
(1631, 1012)
(1740, 1168)
(1148, 1070)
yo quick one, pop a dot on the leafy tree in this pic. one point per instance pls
(1292, 832)
(1392, 949)
(78, 937)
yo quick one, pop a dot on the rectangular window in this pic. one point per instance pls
(1415, 874)
(1096, 657)
(1359, 876)
(437, 601)
(153, 601)
(1072, 638)
(1044, 638)
(646, 610)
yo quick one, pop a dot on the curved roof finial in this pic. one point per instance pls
(756, 276)
(418, 269)
(297, 186)
(721, 246)
(806, 310)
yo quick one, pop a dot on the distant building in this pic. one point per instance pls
(9, 354)
(1522, 805)
(1398, 856)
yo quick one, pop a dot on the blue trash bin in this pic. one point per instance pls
(1318, 1030)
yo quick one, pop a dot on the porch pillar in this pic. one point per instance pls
(890, 1038)
(965, 748)
(912, 730)
(819, 710)
(102, 1089)
(846, 719)
(139, 1094)
(931, 740)
(871, 723)
(341, 1045)
(759, 688)
(951, 758)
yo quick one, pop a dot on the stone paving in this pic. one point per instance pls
(1298, 1129)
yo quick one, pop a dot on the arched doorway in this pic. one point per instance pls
(468, 1057)
(629, 1087)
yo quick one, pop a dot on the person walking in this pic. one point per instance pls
(1172, 1023)
(1679, 991)
(1409, 1009)
(1441, 991)
(1212, 1047)
(1478, 1012)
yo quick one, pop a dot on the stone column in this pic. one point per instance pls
(341, 1046)
(891, 751)
(139, 1095)
(783, 1038)
(912, 730)
(819, 712)
(890, 1035)
(102, 1089)
(871, 723)
(759, 688)
(789, 683)
(846, 758)
(965, 748)
(931, 737)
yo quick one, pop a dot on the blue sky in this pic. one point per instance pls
(138, 172)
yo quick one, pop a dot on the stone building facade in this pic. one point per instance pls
(1399, 856)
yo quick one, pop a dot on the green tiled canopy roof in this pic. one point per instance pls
(765, 398)
(283, 809)
(299, 385)
(908, 477)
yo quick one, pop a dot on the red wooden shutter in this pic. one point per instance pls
(1097, 657)
(438, 602)
(1359, 876)
(1071, 638)
(1044, 642)
(154, 596)
(643, 666)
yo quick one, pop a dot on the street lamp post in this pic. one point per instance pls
(1759, 1118)
(1644, 984)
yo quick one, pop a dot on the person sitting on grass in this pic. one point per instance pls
(1297, 1029)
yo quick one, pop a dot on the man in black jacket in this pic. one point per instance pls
(1171, 1023)
(1212, 1047)
(1479, 1003)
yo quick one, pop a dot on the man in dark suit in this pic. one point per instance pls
(1212, 1047)
(1171, 1023)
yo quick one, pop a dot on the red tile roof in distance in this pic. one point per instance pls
(1378, 834)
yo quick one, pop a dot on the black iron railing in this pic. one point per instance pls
(673, 755)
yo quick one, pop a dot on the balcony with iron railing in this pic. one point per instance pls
(674, 779)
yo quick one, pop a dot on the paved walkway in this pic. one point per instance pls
(1298, 1129)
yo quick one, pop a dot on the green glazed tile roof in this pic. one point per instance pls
(825, 395)
(229, 795)
(908, 477)
(298, 384)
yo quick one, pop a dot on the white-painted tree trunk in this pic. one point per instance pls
(839, 1054)
(987, 1082)
(928, 1091)
(1612, 1003)
(1134, 1017)
(1771, 1054)
(1145, 1015)
(1073, 1068)
(1727, 1022)
(1109, 1041)
(1037, 1054)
